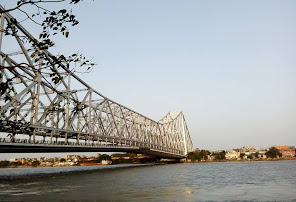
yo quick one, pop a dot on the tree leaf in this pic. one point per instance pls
(11, 111)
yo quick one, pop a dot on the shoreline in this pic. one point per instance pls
(247, 160)
(81, 165)
(99, 164)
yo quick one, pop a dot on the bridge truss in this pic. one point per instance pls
(72, 116)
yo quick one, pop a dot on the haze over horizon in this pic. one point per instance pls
(230, 66)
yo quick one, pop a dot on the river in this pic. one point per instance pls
(216, 181)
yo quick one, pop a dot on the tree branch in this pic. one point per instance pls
(23, 65)
(29, 17)
(30, 2)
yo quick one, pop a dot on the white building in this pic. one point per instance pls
(232, 154)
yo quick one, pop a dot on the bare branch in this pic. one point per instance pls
(20, 65)
(39, 7)
(29, 16)
(30, 2)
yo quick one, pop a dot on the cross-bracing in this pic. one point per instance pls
(42, 116)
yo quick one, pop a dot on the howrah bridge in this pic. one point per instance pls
(71, 116)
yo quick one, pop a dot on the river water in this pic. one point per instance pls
(216, 181)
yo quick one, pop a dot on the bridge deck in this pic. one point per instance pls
(46, 148)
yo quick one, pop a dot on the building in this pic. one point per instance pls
(68, 157)
(106, 162)
(211, 158)
(287, 151)
(248, 148)
(41, 159)
(13, 160)
(262, 151)
(232, 154)
(23, 160)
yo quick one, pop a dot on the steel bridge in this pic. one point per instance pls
(71, 116)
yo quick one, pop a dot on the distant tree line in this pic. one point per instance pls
(5, 163)
(273, 153)
(203, 154)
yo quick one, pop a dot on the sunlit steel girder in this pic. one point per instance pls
(72, 113)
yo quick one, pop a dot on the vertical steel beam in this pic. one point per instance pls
(36, 98)
(184, 136)
(89, 114)
(112, 115)
(52, 125)
(1, 38)
(67, 107)
(15, 111)
(78, 127)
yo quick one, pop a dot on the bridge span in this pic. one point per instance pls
(39, 114)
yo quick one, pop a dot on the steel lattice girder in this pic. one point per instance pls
(51, 109)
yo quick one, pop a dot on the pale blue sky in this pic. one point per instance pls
(229, 65)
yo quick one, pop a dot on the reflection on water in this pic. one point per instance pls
(174, 182)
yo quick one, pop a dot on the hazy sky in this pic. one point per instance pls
(229, 65)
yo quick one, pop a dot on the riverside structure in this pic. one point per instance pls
(69, 115)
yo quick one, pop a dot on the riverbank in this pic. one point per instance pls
(78, 160)
(100, 164)
(246, 160)
(67, 165)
